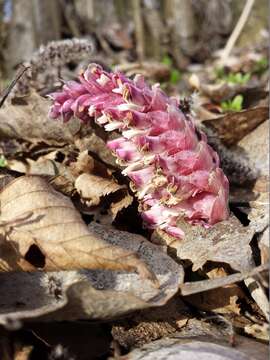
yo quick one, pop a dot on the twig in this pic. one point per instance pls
(190, 288)
(7, 91)
(237, 31)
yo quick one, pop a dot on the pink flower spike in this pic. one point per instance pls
(174, 171)
(115, 144)
(143, 176)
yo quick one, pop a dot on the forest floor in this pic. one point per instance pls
(77, 265)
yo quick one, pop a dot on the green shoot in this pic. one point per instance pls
(175, 74)
(236, 104)
(3, 161)
(232, 78)
(260, 66)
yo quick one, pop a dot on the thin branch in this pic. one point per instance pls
(190, 288)
(7, 91)
(237, 31)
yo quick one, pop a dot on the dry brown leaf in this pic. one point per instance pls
(258, 214)
(123, 203)
(52, 235)
(258, 331)
(75, 176)
(259, 295)
(42, 167)
(91, 188)
(84, 164)
(224, 91)
(253, 202)
(226, 242)
(59, 175)
(29, 120)
(256, 146)
(232, 127)
(223, 300)
(23, 353)
(90, 294)
(12, 148)
(94, 190)
(95, 144)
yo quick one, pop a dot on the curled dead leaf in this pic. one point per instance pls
(95, 144)
(222, 300)
(224, 90)
(90, 294)
(91, 188)
(232, 127)
(84, 164)
(54, 236)
(95, 191)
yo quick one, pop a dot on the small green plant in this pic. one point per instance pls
(260, 66)
(232, 78)
(175, 74)
(233, 105)
(167, 60)
(238, 78)
(3, 161)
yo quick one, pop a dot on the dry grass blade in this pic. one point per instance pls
(55, 237)
(7, 91)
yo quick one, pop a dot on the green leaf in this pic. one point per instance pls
(246, 77)
(260, 66)
(167, 60)
(3, 161)
(225, 106)
(175, 76)
(233, 78)
(237, 102)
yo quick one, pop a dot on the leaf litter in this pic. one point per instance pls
(28, 245)
(53, 249)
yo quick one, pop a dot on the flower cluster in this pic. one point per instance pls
(173, 170)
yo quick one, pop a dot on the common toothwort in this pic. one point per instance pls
(174, 172)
